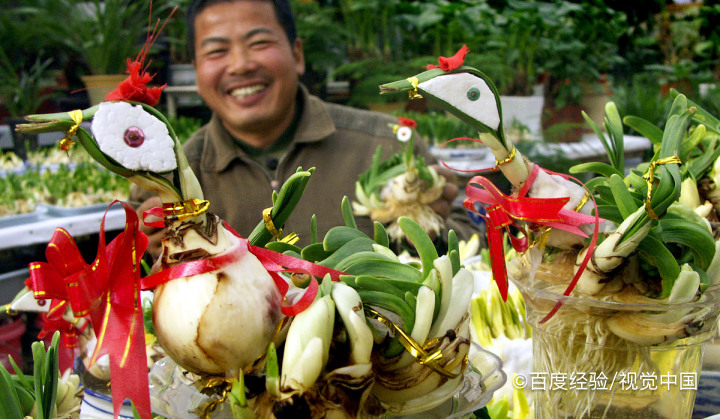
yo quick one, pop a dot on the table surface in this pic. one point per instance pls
(38, 227)
(590, 148)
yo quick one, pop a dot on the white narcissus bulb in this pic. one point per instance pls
(133, 137)
(217, 322)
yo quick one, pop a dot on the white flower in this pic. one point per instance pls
(133, 137)
(404, 134)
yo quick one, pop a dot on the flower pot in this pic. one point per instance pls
(11, 332)
(563, 124)
(98, 86)
(594, 106)
(22, 142)
(181, 75)
(523, 110)
(184, 75)
(582, 369)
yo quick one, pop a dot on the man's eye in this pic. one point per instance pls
(260, 43)
(215, 52)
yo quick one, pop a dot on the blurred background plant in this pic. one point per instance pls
(26, 75)
(571, 47)
(515, 45)
(583, 46)
(103, 33)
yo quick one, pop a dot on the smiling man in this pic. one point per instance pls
(247, 69)
(248, 61)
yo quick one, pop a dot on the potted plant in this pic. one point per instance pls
(103, 32)
(366, 75)
(25, 78)
(385, 39)
(322, 46)
(514, 47)
(180, 69)
(584, 46)
(684, 59)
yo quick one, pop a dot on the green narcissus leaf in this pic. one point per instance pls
(347, 213)
(600, 168)
(646, 128)
(623, 197)
(701, 115)
(654, 250)
(9, 402)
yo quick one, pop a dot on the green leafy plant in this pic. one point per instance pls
(20, 395)
(584, 45)
(103, 32)
(23, 89)
(640, 96)
(24, 77)
(366, 75)
(175, 30)
(518, 40)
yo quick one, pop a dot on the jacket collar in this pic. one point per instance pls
(220, 149)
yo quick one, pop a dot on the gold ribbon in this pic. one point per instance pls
(413, 94)
(185, 209)
(212, 385)
(650, 178)
(582, 202)
(291, 238)
(507, 159)
(269, 225)
(418, 352)
(67, 142)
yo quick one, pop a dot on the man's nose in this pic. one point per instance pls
(241, 61)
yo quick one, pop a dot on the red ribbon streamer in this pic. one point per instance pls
(68, 350)
(108, 292)
(273, 262)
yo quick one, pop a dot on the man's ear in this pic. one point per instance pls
(299, 55)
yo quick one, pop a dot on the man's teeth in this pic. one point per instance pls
(243, 92)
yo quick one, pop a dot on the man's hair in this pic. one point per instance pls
(283, 12)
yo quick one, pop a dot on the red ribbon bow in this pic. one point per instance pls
(451, 63)
(108, 292)
(503, 211)
(273, 262)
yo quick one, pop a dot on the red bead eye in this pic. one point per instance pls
(134, 137)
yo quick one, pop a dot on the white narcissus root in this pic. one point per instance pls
(217, 322)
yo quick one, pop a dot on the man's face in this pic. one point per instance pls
(247, 71)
